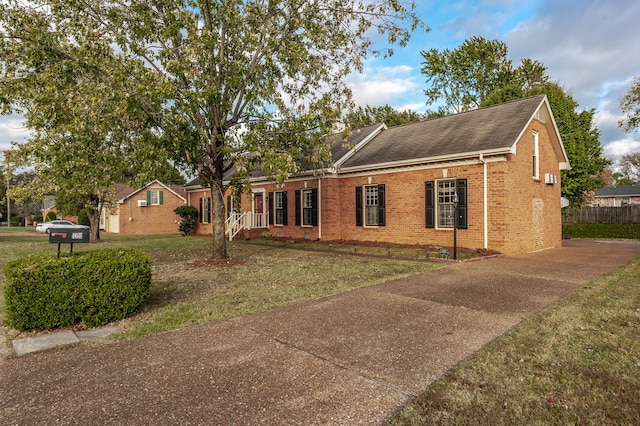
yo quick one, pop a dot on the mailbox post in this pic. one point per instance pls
(68, 236)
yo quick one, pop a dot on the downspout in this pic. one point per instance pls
(319, 208)
(485, 212)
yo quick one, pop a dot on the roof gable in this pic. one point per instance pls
(491, 130)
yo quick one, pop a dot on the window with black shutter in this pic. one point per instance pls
(440, 203)
(370, 205)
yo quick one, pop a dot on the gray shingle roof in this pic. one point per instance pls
(619, 191)
(488, 129)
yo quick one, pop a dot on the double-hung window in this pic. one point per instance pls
(440, 203)
(205, 209)
(535, 147)
(446, 206)
(154, 198)
(279, 209)
(307, 207)
(370, 205)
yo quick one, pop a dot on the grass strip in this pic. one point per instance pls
(576, 362)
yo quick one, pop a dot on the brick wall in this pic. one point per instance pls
(156, 219)
(523, 214)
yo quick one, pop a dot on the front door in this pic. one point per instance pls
(258, 210)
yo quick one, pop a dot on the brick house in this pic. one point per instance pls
(399, 185)
(146, 210)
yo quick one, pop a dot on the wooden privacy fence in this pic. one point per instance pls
(619, 215)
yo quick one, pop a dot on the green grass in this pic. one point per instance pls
(601, 230)
(576, 362)
(186, 291)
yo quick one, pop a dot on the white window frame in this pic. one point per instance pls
(307, 207)
(445, 189)
(154, 197)
(371, 203)
(536, 156)
(278, 207)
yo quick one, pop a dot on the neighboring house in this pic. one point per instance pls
(617, 196)
(49, 206)
(146, 210)
(399, 185)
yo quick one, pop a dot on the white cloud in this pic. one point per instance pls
(12, 130)
(616, 149)
(378, 86)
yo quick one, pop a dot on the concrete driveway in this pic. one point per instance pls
(353, 358)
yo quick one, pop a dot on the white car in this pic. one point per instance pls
(46, 226)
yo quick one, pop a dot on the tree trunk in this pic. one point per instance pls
(94, 223)
(218, 220)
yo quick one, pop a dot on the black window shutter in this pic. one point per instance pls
(381, 206)
(461, 189)
(284, 208)
(314, 207)
(429, 205)
(298, 208)
(161, 197)
(148, 198)
(270, 202)
(358, 206)
(200, 211)
(228, 206)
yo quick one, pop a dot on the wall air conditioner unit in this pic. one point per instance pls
(550, 179)
(142, 203)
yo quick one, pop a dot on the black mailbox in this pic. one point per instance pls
(68, 236)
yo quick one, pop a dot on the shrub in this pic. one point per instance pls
(50, 216)
(95, 287)
(188, 222)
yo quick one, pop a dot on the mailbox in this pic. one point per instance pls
(68, 236)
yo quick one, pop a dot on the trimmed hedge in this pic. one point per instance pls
(94, 287)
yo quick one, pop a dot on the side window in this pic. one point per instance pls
(535, 147)
(370, 205)
(205, 209)
(440, 205)
(154, 198)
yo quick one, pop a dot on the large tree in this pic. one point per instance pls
(239, 82)
(630, 105)
(88, 131)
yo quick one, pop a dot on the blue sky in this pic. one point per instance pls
(591, 48)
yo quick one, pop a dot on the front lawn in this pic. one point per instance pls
(186, 290)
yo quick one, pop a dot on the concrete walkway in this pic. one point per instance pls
(353, 358)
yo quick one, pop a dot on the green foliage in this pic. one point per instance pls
(83, 219)
(94, 287)
(225, 82)
(362, 117)
(478, 73)
(189, 214)
(50, 216)
(581, 141)
(630, 105)
(602, 230)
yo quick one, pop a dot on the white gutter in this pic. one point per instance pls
(485, 209)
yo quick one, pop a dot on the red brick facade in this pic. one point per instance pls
(507, 209)
(141, 213)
